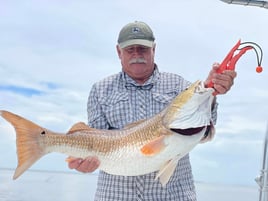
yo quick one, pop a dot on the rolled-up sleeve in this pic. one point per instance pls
(214, 112)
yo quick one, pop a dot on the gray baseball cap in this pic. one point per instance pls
(136, 33)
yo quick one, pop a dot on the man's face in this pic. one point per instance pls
(137, 61)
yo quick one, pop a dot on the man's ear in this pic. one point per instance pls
(119, 51)
(154, 48)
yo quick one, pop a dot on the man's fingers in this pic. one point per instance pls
(73, 163)
(86, 165)
(90, 164)
(223, 82)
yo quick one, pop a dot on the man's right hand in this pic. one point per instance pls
(89, 164)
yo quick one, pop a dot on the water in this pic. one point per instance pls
(44, 186)
(64, 186)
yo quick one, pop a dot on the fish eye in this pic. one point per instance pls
(43, 133)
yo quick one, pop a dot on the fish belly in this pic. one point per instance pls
(129, 161)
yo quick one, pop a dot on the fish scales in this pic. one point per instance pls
(101, 141)
(142, 147)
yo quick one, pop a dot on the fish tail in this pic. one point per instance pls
(28, 136)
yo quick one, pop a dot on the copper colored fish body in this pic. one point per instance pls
(140, 148)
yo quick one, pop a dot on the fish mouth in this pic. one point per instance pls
(188, 131)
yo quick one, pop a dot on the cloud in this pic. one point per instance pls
(52, 53)
(230, 158)
(20, 90)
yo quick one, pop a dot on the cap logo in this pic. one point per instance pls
(135, 30)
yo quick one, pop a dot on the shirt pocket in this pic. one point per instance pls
(117, 110)
(161, 100)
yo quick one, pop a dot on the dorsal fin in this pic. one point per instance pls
(78, 127)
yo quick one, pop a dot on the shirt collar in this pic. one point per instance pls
(129, 83)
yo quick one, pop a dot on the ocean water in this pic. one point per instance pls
(65, 186)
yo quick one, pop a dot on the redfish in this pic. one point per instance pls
(154, 144)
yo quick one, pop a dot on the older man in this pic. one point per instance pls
(140, 91)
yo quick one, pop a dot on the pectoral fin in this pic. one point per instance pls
(167, 171)
(210, 132)
(70, 159)
(154, 147)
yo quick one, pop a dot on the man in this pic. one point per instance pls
(138, 92)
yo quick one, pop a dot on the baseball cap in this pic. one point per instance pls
(136, 33)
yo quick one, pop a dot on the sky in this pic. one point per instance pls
(51, 52)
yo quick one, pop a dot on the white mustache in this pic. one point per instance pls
(137, 61)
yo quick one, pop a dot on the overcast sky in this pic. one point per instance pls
(51, 52)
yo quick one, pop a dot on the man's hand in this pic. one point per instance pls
(222, 82)
(89, 164)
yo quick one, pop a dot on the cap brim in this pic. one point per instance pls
(127, 43)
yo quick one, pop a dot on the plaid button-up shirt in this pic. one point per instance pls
(117, 101)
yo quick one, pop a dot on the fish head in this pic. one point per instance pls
(190, 112)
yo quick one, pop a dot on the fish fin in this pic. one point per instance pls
(27, 140)
(167, 170)
(209, 134)
(154, 147)
(70, 159)
(78, 127)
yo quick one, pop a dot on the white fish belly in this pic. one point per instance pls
(129, 161)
